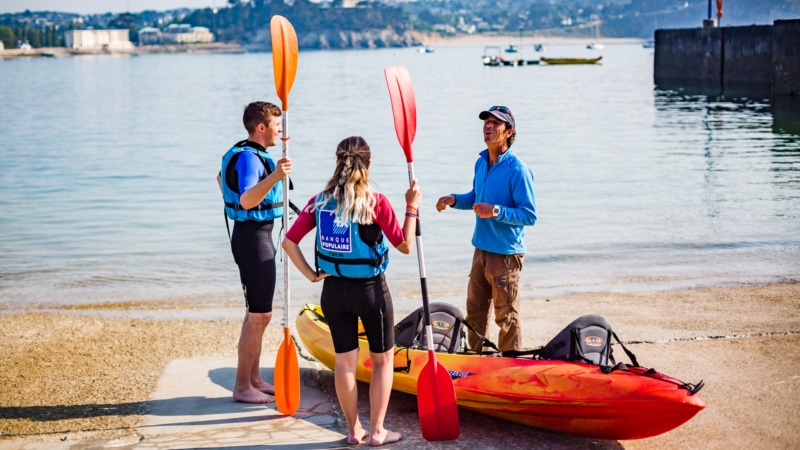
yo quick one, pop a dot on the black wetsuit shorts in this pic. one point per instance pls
(254, 253)
(344, 300)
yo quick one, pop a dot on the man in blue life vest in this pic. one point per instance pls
(504, 203)
(252, 188)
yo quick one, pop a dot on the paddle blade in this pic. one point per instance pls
(436, 401)
(284, 57)
(287, 376)
(404, 107)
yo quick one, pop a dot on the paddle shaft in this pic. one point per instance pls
(423, 279)
(286, 288)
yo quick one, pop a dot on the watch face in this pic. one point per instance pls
(496, 210)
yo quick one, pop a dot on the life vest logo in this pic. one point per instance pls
(440, 324)
(593, 341)
(334, 236)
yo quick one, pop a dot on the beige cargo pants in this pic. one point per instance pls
(494, 278)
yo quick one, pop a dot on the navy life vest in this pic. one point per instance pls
(271, 207)
(348, 249)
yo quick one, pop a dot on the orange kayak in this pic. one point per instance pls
(565, 397)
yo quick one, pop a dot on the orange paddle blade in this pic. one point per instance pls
(436, 401)
(287, 376)
(284, 57)
(404, 107)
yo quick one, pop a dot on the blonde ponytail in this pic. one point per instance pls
(349, 184)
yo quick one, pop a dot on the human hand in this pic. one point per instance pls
(283, 167)
(413, 196)
(483, 210)
(444, 202)
(319, 276)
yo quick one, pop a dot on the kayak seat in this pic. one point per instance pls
(446, 323)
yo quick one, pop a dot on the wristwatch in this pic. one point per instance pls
(496, 211)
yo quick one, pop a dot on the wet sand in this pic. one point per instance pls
(84, 375)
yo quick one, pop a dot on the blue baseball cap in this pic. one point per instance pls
(500, 112)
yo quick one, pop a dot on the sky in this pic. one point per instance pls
(103, 6)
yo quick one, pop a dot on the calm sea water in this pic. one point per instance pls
(108, 191)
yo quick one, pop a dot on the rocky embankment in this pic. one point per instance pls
(334, 39)
(339, 40)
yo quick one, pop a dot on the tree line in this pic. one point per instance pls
(239, 22)
(47, 36)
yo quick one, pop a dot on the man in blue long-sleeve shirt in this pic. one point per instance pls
(504, 203)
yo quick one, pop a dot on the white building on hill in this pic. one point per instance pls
(175, 34)
(98, 40)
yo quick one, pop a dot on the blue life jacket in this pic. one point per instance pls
(346, 249)
(271, 207)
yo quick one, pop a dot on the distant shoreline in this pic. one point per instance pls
(425, 39)
(215, 47)
(435, 39)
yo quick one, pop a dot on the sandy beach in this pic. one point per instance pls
(82, 374)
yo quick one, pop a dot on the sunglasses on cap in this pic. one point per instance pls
(500, 108)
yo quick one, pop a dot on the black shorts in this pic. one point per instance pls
(254, 253)
(344, 300)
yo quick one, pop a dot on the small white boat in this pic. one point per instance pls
(595, 46)
(426, 50)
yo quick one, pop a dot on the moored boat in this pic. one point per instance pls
(571, 60)
(492, 57)
(566, 397)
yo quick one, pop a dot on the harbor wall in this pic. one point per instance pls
(757, 60)
(786, 57)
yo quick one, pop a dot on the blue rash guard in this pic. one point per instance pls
(509, 184)
(249, 169)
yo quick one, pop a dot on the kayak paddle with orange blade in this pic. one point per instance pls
(284, 62)
(436, 395)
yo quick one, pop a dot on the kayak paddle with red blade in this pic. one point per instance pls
(436, 395)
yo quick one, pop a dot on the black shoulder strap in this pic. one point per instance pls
(485, 342)
(627, 352)
(418, 334)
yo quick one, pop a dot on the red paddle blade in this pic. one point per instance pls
(404, 107)
(436, 401)
(284, 57)
(287, 376)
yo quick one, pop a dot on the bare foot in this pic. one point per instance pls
(354, 440)
(264, 387)
(252, 395)
(390, 437)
